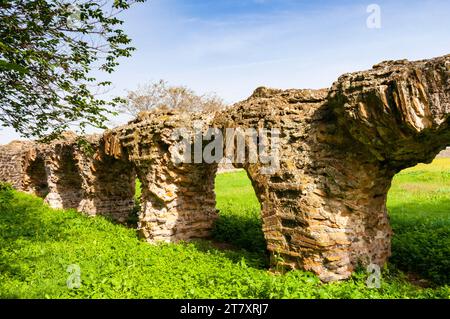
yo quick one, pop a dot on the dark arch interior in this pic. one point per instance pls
(69, 180)
(114, 185)
(38, 177)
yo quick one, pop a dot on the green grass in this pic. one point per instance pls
(419, 207)
(240, 222)
(37, 244)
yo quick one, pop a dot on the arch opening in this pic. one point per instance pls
(110, 188)
(418, 205)
(36, 178)
(239, 223)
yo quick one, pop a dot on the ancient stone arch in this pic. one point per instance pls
(323, 207)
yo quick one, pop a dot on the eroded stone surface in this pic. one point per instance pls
(177, 201)
(323, 208)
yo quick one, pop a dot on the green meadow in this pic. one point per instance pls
(38, 244)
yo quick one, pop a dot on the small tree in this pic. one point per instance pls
(160, 95)
(47, 50)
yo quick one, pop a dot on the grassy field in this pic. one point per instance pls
(37, 244)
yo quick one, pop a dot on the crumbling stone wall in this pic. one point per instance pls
(63, 174)
(68, 176)
(14, 158)
(177, 200)
(323, 207)
(108, 183)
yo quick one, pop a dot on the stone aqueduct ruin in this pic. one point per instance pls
(323, 210)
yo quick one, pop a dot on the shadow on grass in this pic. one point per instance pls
(242, 237)
(256, 260)
(421, 241)
(21, 224)
(244, 231)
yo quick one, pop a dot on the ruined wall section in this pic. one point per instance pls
(14, 160)
(70, 176)
(280, 194)
(108, 182)
(63, 172)
(177, 200)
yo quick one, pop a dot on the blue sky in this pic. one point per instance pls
(233, 46)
